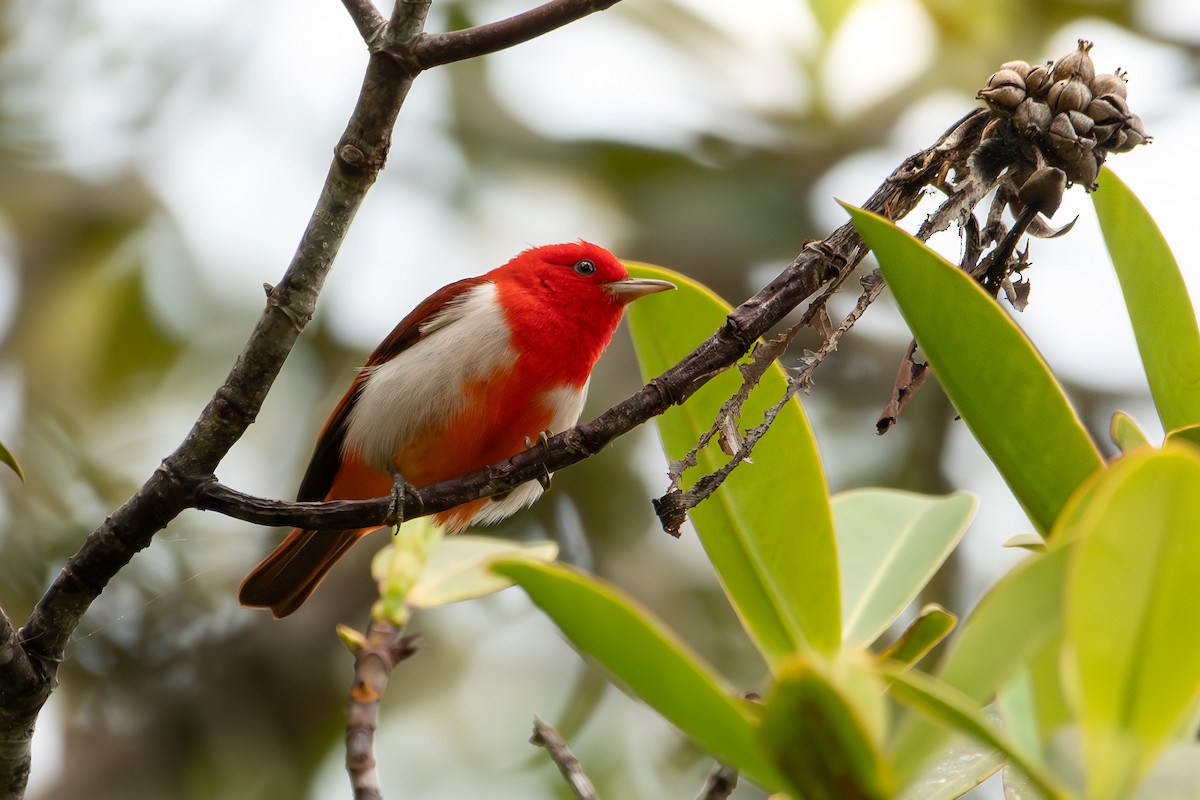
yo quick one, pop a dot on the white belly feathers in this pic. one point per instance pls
(467, 341)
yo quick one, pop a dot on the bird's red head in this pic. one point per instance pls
(567, 299)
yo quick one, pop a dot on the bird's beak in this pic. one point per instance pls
(627, 290)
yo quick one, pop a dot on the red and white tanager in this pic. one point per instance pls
(472, 374)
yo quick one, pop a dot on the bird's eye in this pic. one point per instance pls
(585, 267)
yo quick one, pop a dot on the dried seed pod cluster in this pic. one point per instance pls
(1073, 116)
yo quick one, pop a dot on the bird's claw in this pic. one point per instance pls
(543, 439)
(402, 490)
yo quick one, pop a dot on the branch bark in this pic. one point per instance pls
(384, 647)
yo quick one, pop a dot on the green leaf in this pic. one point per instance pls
(1156, 296)
(820, 740)
(1125, 433)
(1189, 434)
(957, 711)
(397, 567)
(460, 568)
(7, 458)
(1132, 608)
(931, 626)
(1028, 541)
(1008, 628)
(890, 543)
(774, 551)
(1033, 706)
(963, 767)
(996, 379)
(640, 653)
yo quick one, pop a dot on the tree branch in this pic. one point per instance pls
(375, 657)
(366, 18)
(544, 735)
(817, 265)
(358, 157)
(443, 48)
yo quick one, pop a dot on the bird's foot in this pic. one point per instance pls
(544, 440)
(402, 492)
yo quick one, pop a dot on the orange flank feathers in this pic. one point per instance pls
(463, 381)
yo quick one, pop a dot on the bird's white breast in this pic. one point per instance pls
(420, 388)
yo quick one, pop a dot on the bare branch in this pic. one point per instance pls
(722, 780)
(546, 736)
(366, 18)
(443, 48)
(374, 659)
(332, 515)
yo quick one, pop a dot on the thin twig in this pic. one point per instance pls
(443, 48)
(546, 736)
(384, 647)
(722, 780)
(673, 506)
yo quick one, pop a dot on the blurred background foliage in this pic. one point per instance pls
(159, 163)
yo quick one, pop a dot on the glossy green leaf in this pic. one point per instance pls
(1009, 627)
(820, 740)
(996, 379)
(645, 657)
(965, 765)
(1027, 541)
(1132, 607)
(1189, 434)
(890, 543)
(1034, 705)
(1125, 433)
(7, 457)
(957, 711)
(772, 545)
(1156, 296)
(931, 626)
(460, 568)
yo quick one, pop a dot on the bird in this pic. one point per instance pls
(471, 376)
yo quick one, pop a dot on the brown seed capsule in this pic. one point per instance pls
(1135, 125)
(1110, 83)
(1104, 109)
(1020, 67)
(1105, 133)
(1062, 134)
(1128, 139)
(1032, 117)
(1003, 99)
(1038, 80)
(1081, 122)
(1043, 192)
(1071, 94)
(1076, 64)
(1006, 77)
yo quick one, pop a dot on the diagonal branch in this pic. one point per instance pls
(814, 267)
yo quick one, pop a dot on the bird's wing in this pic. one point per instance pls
(327, 455)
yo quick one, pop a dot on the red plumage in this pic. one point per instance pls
(466, 378)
